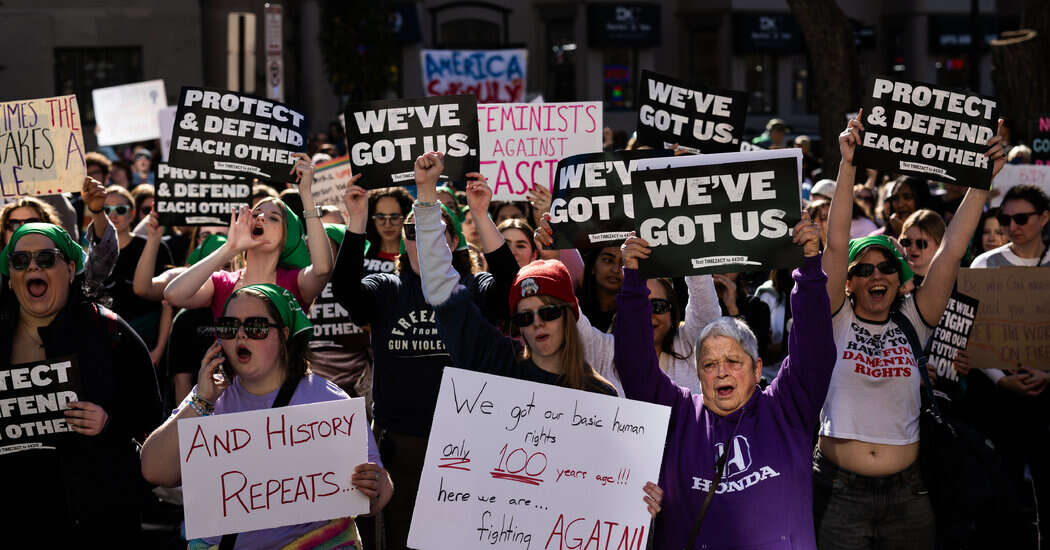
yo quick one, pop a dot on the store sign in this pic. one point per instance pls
(951, 33)
(623, 25)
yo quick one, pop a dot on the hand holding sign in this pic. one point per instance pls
(807, 234)
(633, 250)
(154, 230)
(544, 234)
(374, 482)
(850, 138)
(995, 151)
(86, 418)
(654, 496)
(94, 194)
(540, 197)
(304, 172)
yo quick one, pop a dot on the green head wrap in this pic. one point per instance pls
(295, 254)
(857, 246)
(287, 306)
(211, 244)
(70, 249)
(457, 212)
(337, 232)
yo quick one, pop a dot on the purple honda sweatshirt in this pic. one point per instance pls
(765, 499)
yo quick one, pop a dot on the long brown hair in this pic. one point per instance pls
(576, 372)
(43, 210)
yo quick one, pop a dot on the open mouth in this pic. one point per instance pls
(243, 354)
(878, 291)
(724, 391)
(36, 287)
(257, 231)
(542, 337)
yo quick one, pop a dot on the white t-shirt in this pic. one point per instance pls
(874, 390)
(1004, 257)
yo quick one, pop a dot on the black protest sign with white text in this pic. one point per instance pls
(33, 397)
(719, 213)
(233, 133)
(591, 205)
(700, 120)
(385, 137)
(920, 130)
(193, 197)
(949, 338)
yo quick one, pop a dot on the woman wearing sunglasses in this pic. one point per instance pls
(263, 346)
(921, 236)
(272, 246)
(868, 488)
(83, 489)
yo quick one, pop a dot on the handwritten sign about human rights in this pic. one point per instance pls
(493, 76)
(698, 120)
(128, 113)
(521, 462)
(33, 397)
(922, 130)
(41, 147)
(1012, 328)
(330, 181)
(1020, 174)
(234, 133)
(192, 197)
(718, 213)
(272, 467)
(592, 205)
(949, 338)
(521, 143)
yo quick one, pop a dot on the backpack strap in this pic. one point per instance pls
(920, 360)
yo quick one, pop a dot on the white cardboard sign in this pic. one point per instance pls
(128, 113)
(1017, 174)
(535, 465)
(330, 181)
(272, 467)
(166, 123)
(521, 143)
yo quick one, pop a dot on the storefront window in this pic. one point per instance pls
(952, 72)
(468, 33)
(80, 70)
(619, 77)
(761, 83)
(703, 67)
(561, 60)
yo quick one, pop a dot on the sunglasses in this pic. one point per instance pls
(547, 313)
(866, 270)
(392, 219)
(921, 244)
(1019, 219)
(660, 305)
(45, 258)
(120, 209)
(256, 328)
(410, 231)
(145, 210)
(13, 224)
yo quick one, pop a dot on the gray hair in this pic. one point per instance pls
(732, 328)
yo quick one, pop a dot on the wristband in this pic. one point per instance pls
(99, 211)
(315, 213)
(426, 204)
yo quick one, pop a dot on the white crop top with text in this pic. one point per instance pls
(874, 390)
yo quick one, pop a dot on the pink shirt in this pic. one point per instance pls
(225, 282)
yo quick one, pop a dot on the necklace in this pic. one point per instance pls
(39, 342)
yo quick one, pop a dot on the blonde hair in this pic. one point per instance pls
(576, 372)
(928, 221)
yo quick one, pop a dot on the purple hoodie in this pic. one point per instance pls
(765, 499)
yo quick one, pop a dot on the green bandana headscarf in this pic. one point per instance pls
(211, 244)
(295, 253)
(457, 212)
(856, 246)
(337, 232)
(287, 306)
(70, 249)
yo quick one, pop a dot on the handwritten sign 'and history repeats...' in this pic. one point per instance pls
(272, 467)
(531, 465)
(41, 147)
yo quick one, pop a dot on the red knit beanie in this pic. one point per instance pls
(546, 277)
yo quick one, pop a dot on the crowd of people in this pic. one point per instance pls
(216, 320)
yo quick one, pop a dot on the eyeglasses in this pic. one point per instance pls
(921, 244)
(547, 313)
(120, 209)
(660, 305)
(1019, 219)
(392, 219)
(866, 270)
(45, 258)
(13, 224)
(410, 231)
(256, 328)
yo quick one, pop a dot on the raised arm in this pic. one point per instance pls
(570, 257)
(701, 309)
(349, 288)
(479, 196)
(932, 297)
(836, 253)
(144, 283)
(193, 288)
(104, 250)
(313, 278)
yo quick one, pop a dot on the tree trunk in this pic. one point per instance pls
(833, 54)
(1021, 61)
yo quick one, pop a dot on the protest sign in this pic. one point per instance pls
(492, 76)
(1011, 329)
(522, 142)
(1018, 174)
(330, 181)
(591, 204)
(719, 213)
(192, 197)
(333, 328)
(128, 113)
(234, 133)
(521, 462)
(272, 467)
(950, 337)
(921, 130)
(33, 397)
(385, 137)
(166, 123)
(41, 147)
(698, 119)
(1040, 140)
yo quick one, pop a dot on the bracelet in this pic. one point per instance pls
(199, 404)
(99, 211)
(426, 204)
(315, 213)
